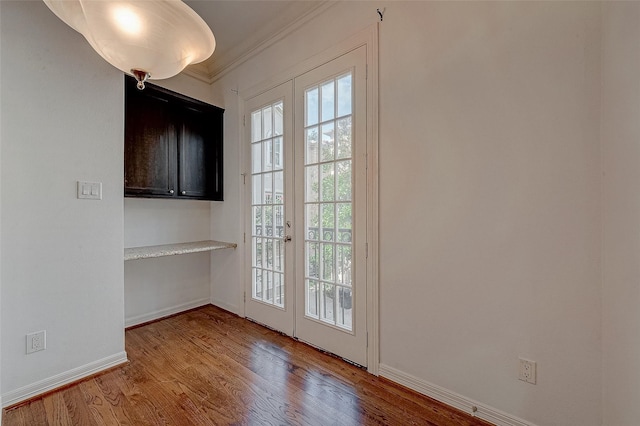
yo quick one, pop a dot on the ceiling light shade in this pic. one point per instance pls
(147, 39)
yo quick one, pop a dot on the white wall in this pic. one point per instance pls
(621, 237)
(489, 147)
(226, 224)
(158, 287)
(62, 267)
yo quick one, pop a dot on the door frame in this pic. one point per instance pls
(368, 38)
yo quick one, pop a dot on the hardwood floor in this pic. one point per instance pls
(210, 367)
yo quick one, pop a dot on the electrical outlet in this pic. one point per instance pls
(527, 372)
(36, 341)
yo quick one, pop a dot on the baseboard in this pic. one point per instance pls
(226, 306)
(54, 382)
(161, 313)
(453, 399)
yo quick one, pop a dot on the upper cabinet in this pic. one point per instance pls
(173, 145)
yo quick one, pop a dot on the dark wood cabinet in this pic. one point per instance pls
(173, 145)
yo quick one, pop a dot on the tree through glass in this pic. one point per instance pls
(267, 204)
(328, 202)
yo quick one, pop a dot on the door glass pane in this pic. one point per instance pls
(256, 189)
(267, 183)
(267, 158)
(311, 183)
(328, 106)
(267, 198)
(343, 212)
(328, 265)
(257, 221)
(328, 221)
(343, 138)
(327, 303)
(313, 260)
(267, 123)
(344, 95)
(277, 153)
(269, 254)
(345, 305)
(311, 222)
(311, 143)
(278, 188)
(279, 256)
(278, 119)
(278, 280)
(312, 298)
(256, 126)
(311, 106)
(257, 283)
(256, 157)
(343, 264)
(268, 278)
(278, 212)
(327, 146)
(343, 171)
(328, 182)
(257, 251)
(328, 202)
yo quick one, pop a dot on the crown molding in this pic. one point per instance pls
(209, 74)
(199, 72)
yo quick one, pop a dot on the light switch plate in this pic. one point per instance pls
(90, 190)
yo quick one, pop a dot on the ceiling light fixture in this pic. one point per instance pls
(146, 39)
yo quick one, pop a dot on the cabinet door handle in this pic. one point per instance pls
(184, 192)
(171, 191)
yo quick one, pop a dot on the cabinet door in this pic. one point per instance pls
(199, 153)
(150, 147)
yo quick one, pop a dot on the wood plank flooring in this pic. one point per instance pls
(210, 367)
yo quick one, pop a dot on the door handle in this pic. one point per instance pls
(287, 238)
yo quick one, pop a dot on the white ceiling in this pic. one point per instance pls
(240, 26)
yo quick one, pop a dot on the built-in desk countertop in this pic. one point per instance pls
(146, 252)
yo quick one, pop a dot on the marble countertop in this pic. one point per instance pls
(134, 253)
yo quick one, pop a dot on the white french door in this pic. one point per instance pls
(269, 290)
(307, 201)
(330, 178)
